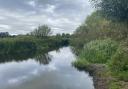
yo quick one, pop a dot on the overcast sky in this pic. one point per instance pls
(22, 16)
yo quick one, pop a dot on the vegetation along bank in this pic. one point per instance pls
(104, 49)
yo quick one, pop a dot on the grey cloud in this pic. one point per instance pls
(22, 16)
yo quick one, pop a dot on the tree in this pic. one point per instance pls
(113, 9)
(4, 34)
(42, 31)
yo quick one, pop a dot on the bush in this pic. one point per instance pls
(120, 60)
(99, 51)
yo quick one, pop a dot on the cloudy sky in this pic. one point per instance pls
(22, 16)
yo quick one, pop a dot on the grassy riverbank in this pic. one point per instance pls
(103, 40)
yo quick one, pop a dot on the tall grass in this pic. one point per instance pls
(99, 51)
(119, 62)
(96, 52)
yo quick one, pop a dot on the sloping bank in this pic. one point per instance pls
(107, 62)
(100, 79)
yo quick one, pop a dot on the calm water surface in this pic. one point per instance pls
(50, 71)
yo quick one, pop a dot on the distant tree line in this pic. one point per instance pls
(40, 39)
(4, 34)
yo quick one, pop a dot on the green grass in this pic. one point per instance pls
(81, 64)
(115, 85)
(99, 51)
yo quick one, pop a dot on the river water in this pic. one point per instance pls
(52, 71)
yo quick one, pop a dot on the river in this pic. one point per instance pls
(54, 71)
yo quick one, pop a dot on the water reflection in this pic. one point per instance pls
(52, 70)
(42, 58)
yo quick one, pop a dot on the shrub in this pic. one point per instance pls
(99, 51)
(120, 60)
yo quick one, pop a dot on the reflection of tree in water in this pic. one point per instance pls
(16, 57)
(43, 59)
(75, 51)
(58, 50)
(41, 56)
